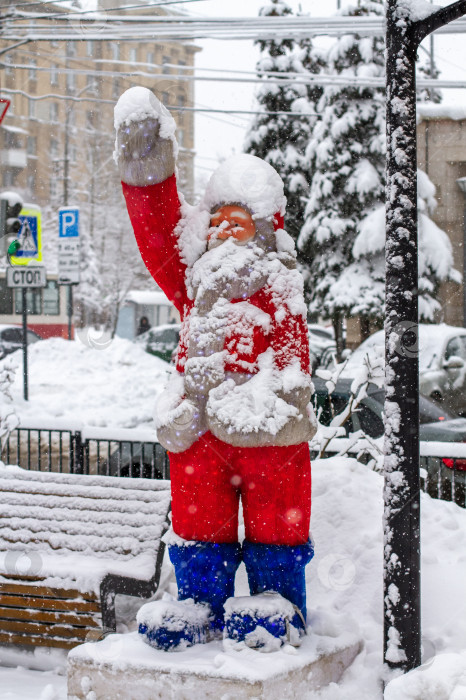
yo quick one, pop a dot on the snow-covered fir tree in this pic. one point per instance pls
(364, 279)
(278, 138)
(8, 418)
(346, 155)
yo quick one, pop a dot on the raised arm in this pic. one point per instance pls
(146, 152)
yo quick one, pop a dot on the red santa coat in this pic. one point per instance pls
(154, 211)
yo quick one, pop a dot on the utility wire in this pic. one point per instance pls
(21, 16)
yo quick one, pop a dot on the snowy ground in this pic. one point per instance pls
(112, 384)
(116, 386)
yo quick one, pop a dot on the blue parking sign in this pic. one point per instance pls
(68, 222)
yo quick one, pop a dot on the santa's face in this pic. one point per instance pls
(231, 221)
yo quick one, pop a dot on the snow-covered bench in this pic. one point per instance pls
(68, 545)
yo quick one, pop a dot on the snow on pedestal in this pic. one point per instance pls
(123, 667)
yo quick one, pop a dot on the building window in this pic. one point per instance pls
(91, 84)
(51, 299)
(90, 119)
(8, 178)
(133, 55)
(71, 81)
(165, 98)
(70, 48)
(73, 153)
(150, 58)
(71, 117)
(115, 49)
(31, 145)
(54, 74)
(165, 68)
(31, 182)
(180, 138)
(6, 298)
(54, 148)
(32, 109)
(8, 65)
(54, 112)
(116, 89)
(32, 73)
(90, 48)
(53, 187)
(33, 301)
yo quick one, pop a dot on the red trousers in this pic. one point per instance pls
(274, 484)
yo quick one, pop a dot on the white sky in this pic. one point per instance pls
(218, 135)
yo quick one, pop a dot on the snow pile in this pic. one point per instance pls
(174, 615)
(245, 179)
(114, 385)
(443, 678)
(262, 605)
(416, 10)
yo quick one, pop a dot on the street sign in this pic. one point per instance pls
(29, 236)
(29, 277)
(68, 245)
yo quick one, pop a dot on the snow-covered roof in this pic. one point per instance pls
(427, 111)
(147, 298)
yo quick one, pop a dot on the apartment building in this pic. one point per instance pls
(58, 150)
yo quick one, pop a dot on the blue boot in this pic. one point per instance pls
(278, 569)
(205, 572)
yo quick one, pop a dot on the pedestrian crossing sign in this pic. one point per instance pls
(29, 236)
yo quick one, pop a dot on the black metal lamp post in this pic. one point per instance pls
(402, 630)
(461, 182)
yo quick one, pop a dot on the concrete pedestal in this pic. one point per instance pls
(123, 667)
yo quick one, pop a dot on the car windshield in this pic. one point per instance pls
(429, 412)
(167, 335)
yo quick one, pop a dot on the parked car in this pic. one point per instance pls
(442, 363)
(11, 339)
(136, 459)
(435, 425)
(161, 341)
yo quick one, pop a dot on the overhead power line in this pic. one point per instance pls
(136, 27)
(100, 100)
(299, 79)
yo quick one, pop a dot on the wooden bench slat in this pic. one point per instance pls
(63, 617)
(77, 544)
(65, 514)
(99, 493)
(33, 628)
(81, 530)
(13, 601)
(45, 591)
(36, 641)
(83, 502)
(76, 480)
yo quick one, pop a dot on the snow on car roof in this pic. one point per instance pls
(432, 338)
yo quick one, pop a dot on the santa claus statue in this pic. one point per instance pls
(235, 416)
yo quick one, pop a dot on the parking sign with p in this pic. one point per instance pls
(68, 219)
(68, 245)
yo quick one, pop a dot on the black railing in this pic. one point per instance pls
(73, 452)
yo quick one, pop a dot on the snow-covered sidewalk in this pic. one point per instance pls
(344, 583)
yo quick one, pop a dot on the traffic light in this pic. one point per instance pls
(10, 225)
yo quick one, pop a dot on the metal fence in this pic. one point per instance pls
(136, 453)
(68, 451)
